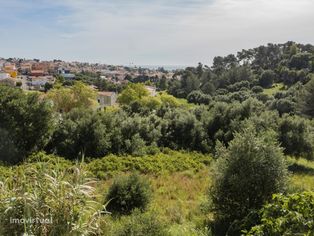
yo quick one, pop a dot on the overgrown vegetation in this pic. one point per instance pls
(252, 112)
(59, 201)
(127, 194)
(165, 162)
(286, 215)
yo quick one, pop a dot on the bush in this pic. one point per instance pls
(223, 119)
(246, 176)
(64, 197)
(128, 193)
(257, 89)
(166, 162)
(139, 224)
(296, 137)
(198, 97)
(283, 105)
(306, 99)
(267, 78)
(181, 130)
(286, 215)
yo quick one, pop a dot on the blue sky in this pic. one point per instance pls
(148, 32)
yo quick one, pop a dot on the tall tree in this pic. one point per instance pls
(306, 100)
(246, 176)
(64, 99)
(25, 123)
(132, 93)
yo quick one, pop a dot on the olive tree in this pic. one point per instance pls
(246, 175)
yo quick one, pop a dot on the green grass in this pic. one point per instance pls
(274, 89)
(179, 180)
(302, 174)
(178, 199)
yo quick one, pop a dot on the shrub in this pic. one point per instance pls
(257, 89)
(283, 105)
(5, 172)
(267, 79)
(223, 119)
(246, 176)
(64, 197)
(128, 193)
(50, 161)
(181, 130)
(296, 136)
(140, 224)
(168, 161)
(306, 100)
(198, 97)
(286, 215)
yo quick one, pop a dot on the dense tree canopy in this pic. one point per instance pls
(132, 93)
(275, 77)
(25, 123)
(250, 111)
(306, 102)
(65, 99)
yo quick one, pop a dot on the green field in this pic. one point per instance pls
(179, 181)
(274, 89)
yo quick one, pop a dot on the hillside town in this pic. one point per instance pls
(35, 74)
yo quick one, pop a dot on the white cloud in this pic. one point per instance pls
(170, 32)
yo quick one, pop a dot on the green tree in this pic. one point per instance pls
(78, 96)
(48, 86)
(284, 105)
(223, 119)
(180, 129)
(132, 93)
(84, 96)
(189, 82)
(81, 132)
(293, 49)
(267, 79)
(62, 99)
(246, 176)
(306, 100)
(301, 61)
(296, 136)
(163, 83)
(25, 122)
(198, 97)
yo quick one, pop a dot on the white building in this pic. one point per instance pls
(151, 90)
(106, 99)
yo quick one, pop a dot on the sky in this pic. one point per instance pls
(148, 32)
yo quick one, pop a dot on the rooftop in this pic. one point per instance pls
(106, 93)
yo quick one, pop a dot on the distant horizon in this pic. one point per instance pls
(148, 66)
